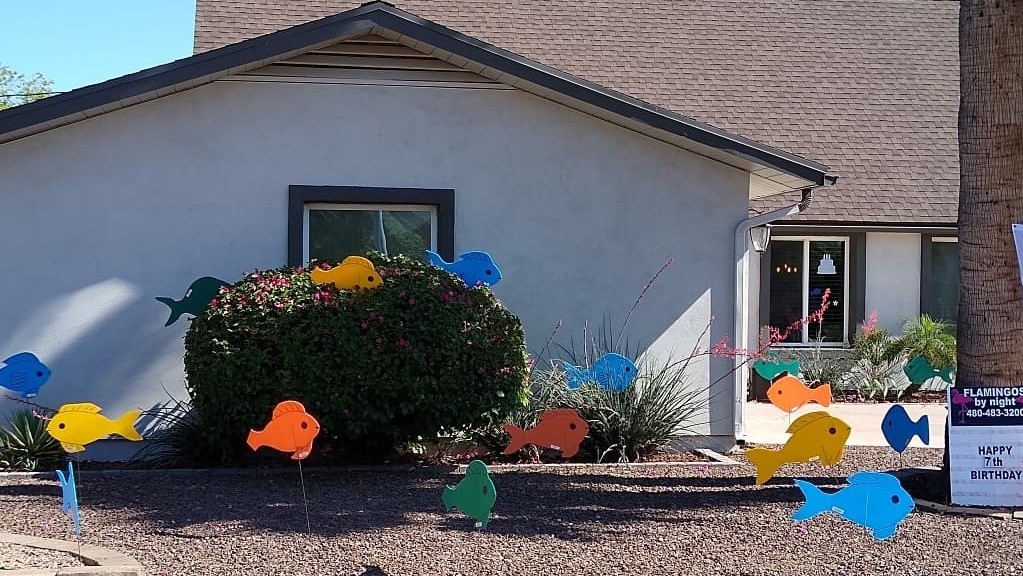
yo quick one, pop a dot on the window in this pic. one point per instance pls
(334, 231)
(939, 278)
(333, 222)
(800, 271)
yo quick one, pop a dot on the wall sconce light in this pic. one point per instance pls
(761, 237)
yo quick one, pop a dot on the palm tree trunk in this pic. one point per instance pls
(990, 327)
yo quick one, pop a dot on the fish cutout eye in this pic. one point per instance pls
(779, 392)
(895, 499)
(571, 426)
(39, 374)
(62, 425)
(889, 423)
(369, 279)
(484, 489)
(832, 431)
(305, 425)
(628, 368)
(489, 272)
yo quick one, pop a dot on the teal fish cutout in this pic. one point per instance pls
(919, 370)
(475, 494)
(196, 299)
(774, 367)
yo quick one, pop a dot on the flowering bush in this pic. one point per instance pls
(420, 355)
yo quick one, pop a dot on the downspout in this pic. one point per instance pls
(741, 289)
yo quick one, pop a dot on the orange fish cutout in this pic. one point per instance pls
(790, 393)
(561, 429)
(291, 429)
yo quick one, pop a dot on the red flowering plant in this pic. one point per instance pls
(417, 356)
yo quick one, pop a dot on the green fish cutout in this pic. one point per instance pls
(196, 299)
(771, 369)
(475, 494)
(919, 370)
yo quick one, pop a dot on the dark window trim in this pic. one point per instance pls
(857, 277)
(299, 196)
(926, 294)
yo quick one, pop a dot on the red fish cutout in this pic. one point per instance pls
(561, 429)
(291, 429)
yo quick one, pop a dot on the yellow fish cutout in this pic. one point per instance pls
(814, 435)
(354, 272)
(76, 425)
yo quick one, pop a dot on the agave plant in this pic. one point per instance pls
(177, 440)
(25, 445)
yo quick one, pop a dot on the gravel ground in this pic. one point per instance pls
(643, 520)
(13, 557)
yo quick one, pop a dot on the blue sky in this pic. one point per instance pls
(80, 42)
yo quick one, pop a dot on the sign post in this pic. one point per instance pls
(985, 438)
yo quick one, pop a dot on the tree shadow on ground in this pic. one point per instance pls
(565, 506)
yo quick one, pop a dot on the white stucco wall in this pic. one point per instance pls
(892, 278)
(101, 216)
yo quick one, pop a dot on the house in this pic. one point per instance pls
(252, 155)
(867, 87)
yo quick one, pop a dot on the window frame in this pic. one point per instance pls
(926, 268)
(301, 197)
(846, 287)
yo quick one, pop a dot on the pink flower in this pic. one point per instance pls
(214, 303)
(447, 296)
(411, 301)
(871, 324)
(278, 305)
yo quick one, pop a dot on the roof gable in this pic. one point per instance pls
(773, 169)
(868, 87)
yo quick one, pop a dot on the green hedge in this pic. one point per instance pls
(420, 355)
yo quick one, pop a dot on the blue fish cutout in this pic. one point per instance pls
(874, 500)
(69, 497)
(474, 268)
(898, 428)
(919, 370)
(24, 373)
(612, 372)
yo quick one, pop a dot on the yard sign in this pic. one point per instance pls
(985, 439)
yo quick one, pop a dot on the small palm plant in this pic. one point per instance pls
(25, 445)
(935, 340)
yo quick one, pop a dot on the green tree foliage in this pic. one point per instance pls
(17, 89)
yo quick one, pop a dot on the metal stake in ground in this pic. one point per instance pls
(305, 501)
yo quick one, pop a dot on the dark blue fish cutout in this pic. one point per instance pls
(474, 268)
(69, 497)
(919, 370)
(874, 500)
(898, 428)
(612, 372)
(816, 292)
(24, 374)
(769, 369)
(196, 299)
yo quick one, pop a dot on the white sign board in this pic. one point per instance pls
(985, 445)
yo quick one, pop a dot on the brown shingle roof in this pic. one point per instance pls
(868, 87)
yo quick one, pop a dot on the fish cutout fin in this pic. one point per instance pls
(865, 477)
(86, 407)
(945, 375)
(923, 429)
(18, 378)
(805, 420)
(22, 358)
(358, 261)
(288, 406)
(575, 376)
(436, 260)
(72, 448)
(817, 501)
(767, 462)
(822, 395)
(448, 498)
(175, 308)
(254, 441)
(476, 255)
(562, 412)
(518, 438)
(125, 425)
(885, 532)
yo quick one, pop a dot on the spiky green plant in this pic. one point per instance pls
(25, 445)
(177, 441)
(935, 340)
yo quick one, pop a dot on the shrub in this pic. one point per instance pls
(25, 445)
(178, 440)
(658, 410)
(933, 339)
(878, 358)
(421, 354)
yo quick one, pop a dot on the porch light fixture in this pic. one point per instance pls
(761, 237)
